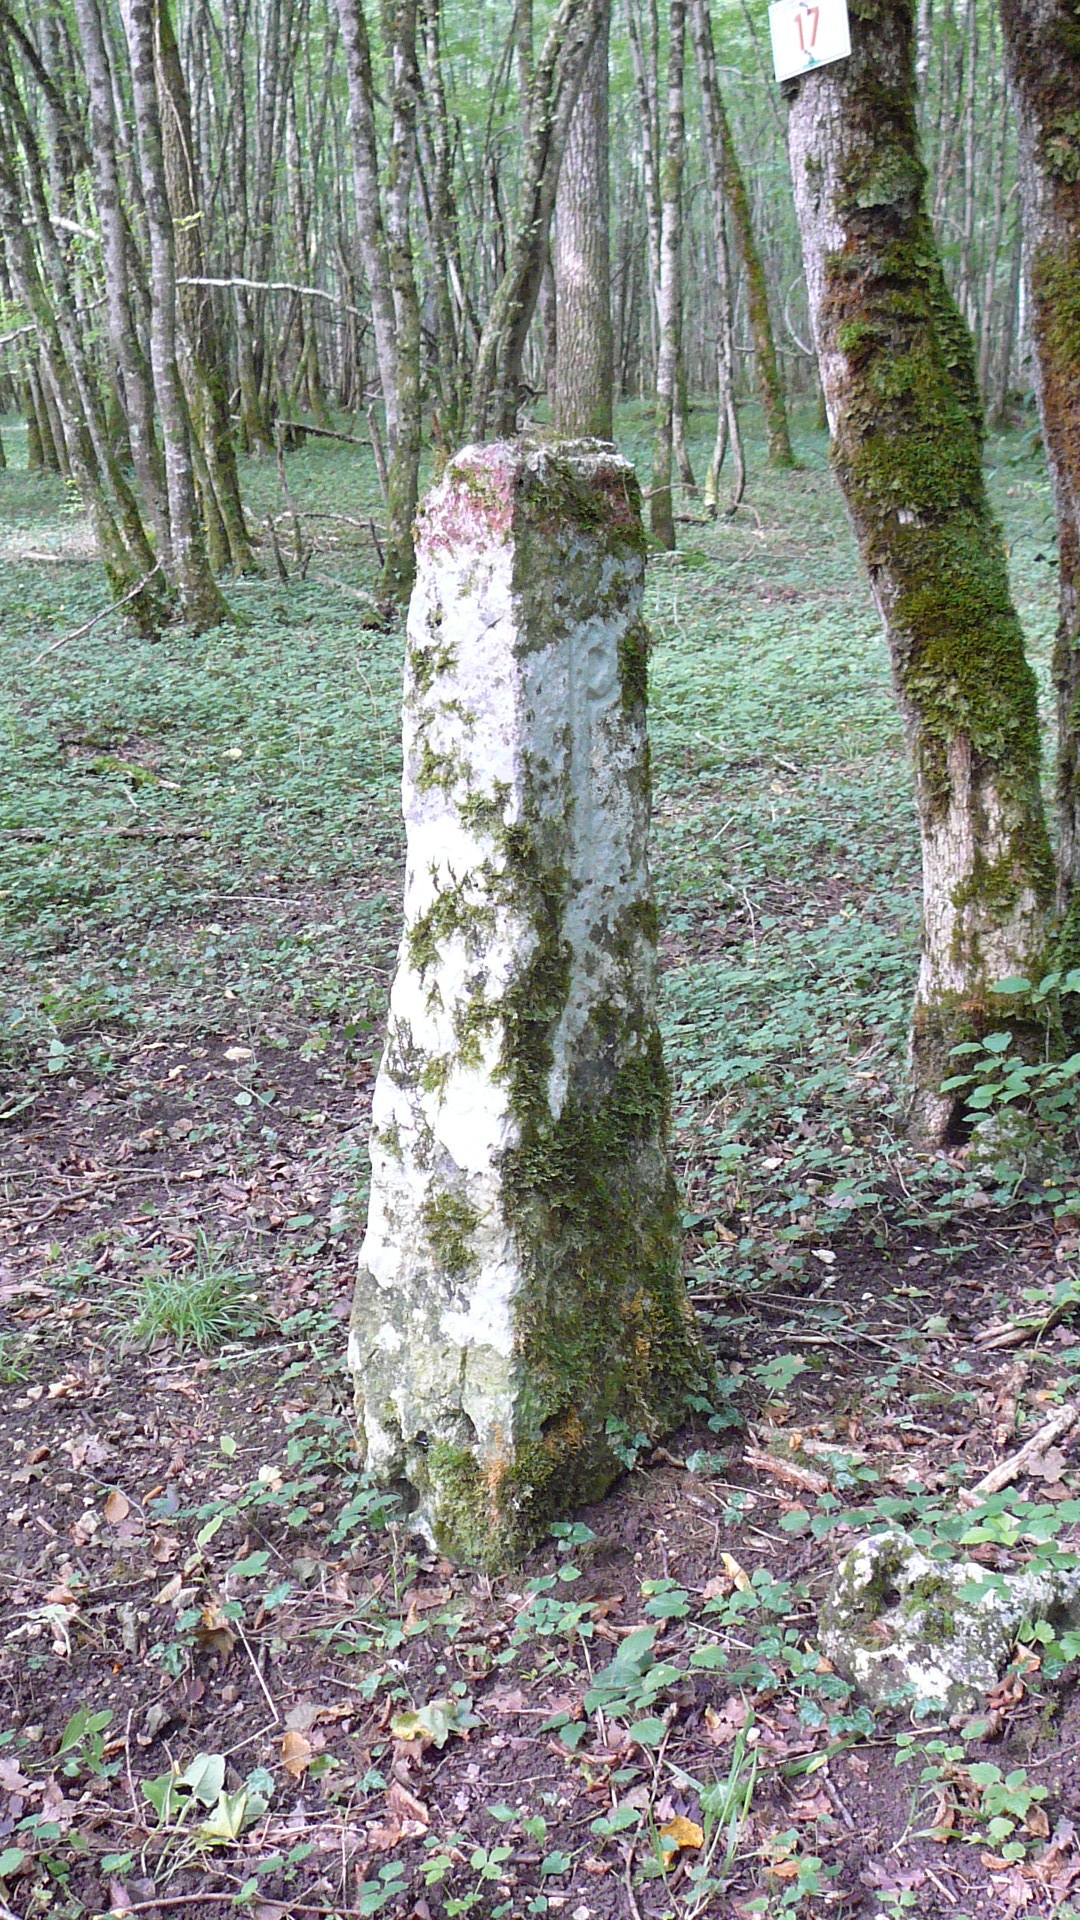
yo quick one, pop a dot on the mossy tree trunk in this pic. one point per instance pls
(70, 408)
(202, 360)
(1042, 48)
(770, 383)
(382, 196)
(899, 381)
(370, 228)
(135, 378)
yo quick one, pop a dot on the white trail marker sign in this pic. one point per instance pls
(808, 34)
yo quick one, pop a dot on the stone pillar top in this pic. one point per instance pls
(486, 489)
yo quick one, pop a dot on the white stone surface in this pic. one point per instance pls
(907, 1629)
(525, 796)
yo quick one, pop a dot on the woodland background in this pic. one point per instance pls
(228, 1678)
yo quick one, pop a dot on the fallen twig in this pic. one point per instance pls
(1059, 1424)
(326, 433)
(1007, 1407)
(803, 1478)
(131, 594)
(365, 598)
(1018, 1333)
(170, 1900)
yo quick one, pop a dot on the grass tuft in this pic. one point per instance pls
(204, 1305)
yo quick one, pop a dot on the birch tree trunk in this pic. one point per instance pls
(584, 364)
(661, 513)
(1042, 47)
(897, 371)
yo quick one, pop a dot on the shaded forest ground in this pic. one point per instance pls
(200, 885)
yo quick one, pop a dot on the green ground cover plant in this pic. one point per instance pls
(228, 1674)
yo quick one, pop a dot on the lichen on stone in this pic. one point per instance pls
(910, 1630)
(520, 1282)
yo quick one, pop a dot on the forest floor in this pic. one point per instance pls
(228, 1678)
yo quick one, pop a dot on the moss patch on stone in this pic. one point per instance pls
(449, 1221)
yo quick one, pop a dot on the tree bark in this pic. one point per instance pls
(767, 373)
(201, 359)
(727, 417)
(584, 365)
(556, 79)
(201, 603)
(669, 300)
(369, 220)
(404, 464)
(899, 381)
(135, 375)
(1042, 47)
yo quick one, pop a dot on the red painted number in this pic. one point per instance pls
(810, 15)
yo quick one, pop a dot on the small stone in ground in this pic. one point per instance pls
(908, 1630)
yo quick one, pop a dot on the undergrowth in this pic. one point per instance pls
(201, 872)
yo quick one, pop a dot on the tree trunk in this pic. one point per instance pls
(369, 219)
(1042, 46)
(669, 303)
(201, 602)
(556, 79)
(767, 373)
(404, 465)
(897, 370)
(727, 418)
(201, 359)
(135, 376)
(680, 424)
(584, 368)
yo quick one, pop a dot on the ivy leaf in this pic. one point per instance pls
(434, 1723)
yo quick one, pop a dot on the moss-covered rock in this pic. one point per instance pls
(910, 1630)
(520, 1283)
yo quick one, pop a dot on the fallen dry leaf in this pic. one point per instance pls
(510, 1700)
(725, 1723)
(682, 1832)
(295, 1752)
(117, 1507)
(213, 1633)
(386, 1835)
(406, 1805)
(302, 1716)
(735, 1573)
(12, 1778)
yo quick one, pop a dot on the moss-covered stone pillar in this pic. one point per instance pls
(520, 1305)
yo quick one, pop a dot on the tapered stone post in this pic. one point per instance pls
(520, 1305)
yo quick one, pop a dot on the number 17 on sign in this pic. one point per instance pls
(808, 34)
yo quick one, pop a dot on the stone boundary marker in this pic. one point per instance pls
(520, 1312)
